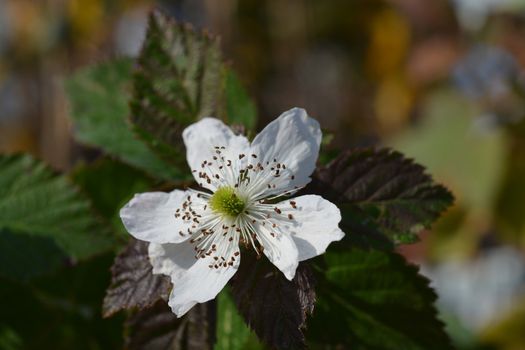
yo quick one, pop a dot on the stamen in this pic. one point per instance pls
(239, 210)
(225, 201)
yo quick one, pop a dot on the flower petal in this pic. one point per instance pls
(313, 224)
(193, 280)
(201, 140)
(280, 249)
(293, 139)
(151, 217)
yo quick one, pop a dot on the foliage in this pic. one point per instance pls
(60, 310)
(369, 296)
(179, 79)
(24, 256)
(121, 182)
(387, 189)
(157, 327)
(133, 285)
(44, 208)
(99, 101)
(240, 109)
(232, 332)
(382, 303)
(275, 308)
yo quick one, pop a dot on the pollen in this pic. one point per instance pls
(226, 202)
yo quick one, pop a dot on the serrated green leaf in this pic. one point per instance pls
(23, 257)
(179, 79)
(389, 191)
(35, 201)
(110, 184)
(99, 107)
(232, 332)
(375, 300)
(240, 108)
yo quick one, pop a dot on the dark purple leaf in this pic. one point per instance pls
(158, 328)
(133, 285)
(179, 78)
(274, 307)
(386, 191)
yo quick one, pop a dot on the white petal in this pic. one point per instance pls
(293, 139)
(201, 139)
(314, 226)
(280, 250)
(193, 280)
(151, 217)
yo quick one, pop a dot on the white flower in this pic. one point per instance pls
(195, 235)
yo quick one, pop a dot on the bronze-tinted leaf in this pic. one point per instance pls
(274, 307)
(385, 189)
(133, 285)
(179, 78)
(158, 328)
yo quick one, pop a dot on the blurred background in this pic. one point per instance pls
(442, 81)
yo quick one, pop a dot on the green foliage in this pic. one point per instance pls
(369, 299)
(99, 98)
(179, 79)
(240, 108)
(375, 300)
(9, 339)
(389, 190)
(61, 311)
(232, 332)
(36, 202)
(110, 184)
(23, 256)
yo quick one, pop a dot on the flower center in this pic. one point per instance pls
(225, 201)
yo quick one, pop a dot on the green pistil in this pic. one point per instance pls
(225, 201)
